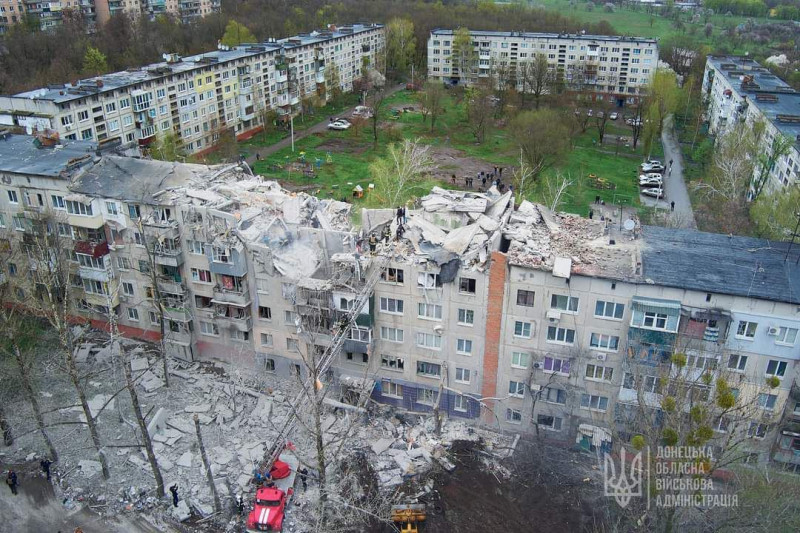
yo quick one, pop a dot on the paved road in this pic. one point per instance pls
(674, 184)
(36, 509)
(316, 128)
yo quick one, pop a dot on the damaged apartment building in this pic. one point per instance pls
(511, 316)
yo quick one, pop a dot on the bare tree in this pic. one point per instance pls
(636, 123)
(522, 178)
(505, 81)
(554, 188)
(602, 111)
(430, 100)
(48, 293)
(399, 173)
(542, 137)
(732, 169)
(479, 110)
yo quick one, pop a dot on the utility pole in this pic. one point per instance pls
(291, 126)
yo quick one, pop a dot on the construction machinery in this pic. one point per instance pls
(408, 516)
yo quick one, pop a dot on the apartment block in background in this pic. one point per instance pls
(616, 68)
(739, 90)
(201, 97)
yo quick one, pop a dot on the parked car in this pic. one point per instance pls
(362, 111)
(340, 119)
(614, 115)
(338, 125)
(600, 114)
(589, 113)
(654, 162)
(651, 180)
(650, 168)
(634, 122)
(654, 192)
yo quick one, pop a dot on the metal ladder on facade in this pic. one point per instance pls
(326, 360)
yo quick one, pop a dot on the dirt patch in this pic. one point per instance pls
(343, 144)
(555, 488)
(451, 161)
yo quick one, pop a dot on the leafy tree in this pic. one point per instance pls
(94, 62)
(401, 46)
(430, 98)
(167, 147)
(781, 145)
(333, 83)
(542, 136)
(399, 175)
(236, 34)
(662, 100)
(775, 214)
(464, 57)
(537, 78)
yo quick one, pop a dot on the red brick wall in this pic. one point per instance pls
(498, 271)
(128, 331)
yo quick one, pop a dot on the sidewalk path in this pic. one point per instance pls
(267, 151)
(674, 184)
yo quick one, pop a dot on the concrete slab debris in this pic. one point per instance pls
(90, 468)
(158, 423)
(185, 460)
(181, 513)
(139, 364)
(199, 408)
(381, 445)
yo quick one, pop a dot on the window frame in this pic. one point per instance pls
(554, 298)
(528, 298)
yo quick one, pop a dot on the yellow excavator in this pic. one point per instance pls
(408, 516)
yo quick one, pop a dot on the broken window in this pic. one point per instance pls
(220, 255)
(392, 362)
(358, 358)
(460, 403)
(514, 416)
(549, 422)
(525, 298)
(264, 312)
(466, 285)
(427, 369)
(392, 275)
(516, 388)
(427, 397)
(269, 365)
(266, 340)
(209, 328)
(428, 280)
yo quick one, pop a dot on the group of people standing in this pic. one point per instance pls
(492, 178)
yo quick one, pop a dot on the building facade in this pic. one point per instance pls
(739, 90)
(616, 68)
(201, 97)
(514, 317)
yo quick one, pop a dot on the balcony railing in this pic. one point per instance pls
(238, 323)
(240, 297)
(168, 257)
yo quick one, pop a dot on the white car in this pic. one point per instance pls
(589, 113)
(614, 115)
(362, 111)
(338, 125)
(654, 162)
(655, 192)
(650, 180)
(648, 168)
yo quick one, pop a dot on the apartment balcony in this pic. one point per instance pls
(161, 228)
(86, 221)
(281, 76)
(94, 273)
(294, 99)
(240, 298)
(168, 257)
(282, 100)
(169, 285)
(238, 323)
(321, 75)
(95, 249)
(178, 314)
(704, 330)
(102, 299)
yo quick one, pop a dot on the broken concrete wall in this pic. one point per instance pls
(238, 354)
(412, 393)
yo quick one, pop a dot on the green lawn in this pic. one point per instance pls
(345, 156)
(635, 21)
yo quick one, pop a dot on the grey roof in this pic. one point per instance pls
(118, 80)
(19, 154)
(540, 35)
(768, 92)
(740, 266)
(135, 180)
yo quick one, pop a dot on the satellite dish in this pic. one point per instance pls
(629, 224)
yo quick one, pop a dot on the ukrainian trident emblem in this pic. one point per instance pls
(628, 484)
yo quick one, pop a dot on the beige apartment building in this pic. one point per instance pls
(510, 316)
(198, 98)
(612, 67)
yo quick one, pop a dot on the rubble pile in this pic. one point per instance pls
(539, 238)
